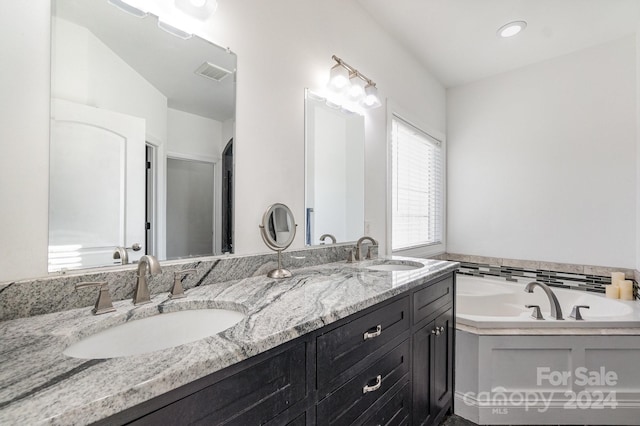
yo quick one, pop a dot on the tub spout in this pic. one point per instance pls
(556, 310)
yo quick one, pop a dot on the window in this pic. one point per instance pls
(417, 189)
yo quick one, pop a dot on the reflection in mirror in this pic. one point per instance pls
(142, 126)
(334, 189)
(278, 229)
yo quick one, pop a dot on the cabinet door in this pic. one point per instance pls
(422, 375)
(250, 397)
(442, 357)
(432, 368)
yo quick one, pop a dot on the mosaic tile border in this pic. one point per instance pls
(568, 276)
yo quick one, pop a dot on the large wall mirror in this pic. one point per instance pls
(142, 133)
(334, 190)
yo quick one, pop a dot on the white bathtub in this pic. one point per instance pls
(505, 358)
(494, 303)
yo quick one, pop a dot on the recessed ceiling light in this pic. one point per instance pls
(511, 29)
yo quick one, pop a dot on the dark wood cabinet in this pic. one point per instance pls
(346, 349)
(354, 399)
(254, 395)
(390, 364)
(433, 369)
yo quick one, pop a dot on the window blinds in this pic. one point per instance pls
(417, 187)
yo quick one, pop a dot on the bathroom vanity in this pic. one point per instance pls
(335, 344)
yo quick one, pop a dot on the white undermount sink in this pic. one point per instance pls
(395, 265)
(153, 333)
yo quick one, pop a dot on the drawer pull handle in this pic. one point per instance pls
(371, 334)
(437, 331)
(374, 387)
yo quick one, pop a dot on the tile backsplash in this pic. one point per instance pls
(57, 293)
(570, 276)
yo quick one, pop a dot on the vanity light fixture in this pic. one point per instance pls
(173, 30)
(181, 18)
(338, 78)
(350, 89)
(511, 29)
(126, 7)
(199, 9)
(356, 87)
(371, 99)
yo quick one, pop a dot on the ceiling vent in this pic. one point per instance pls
(212, 72)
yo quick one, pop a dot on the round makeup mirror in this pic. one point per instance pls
(278, 229)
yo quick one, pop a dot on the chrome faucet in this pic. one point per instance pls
(359, 247)
(141, 293)
(121, 253)
(325, 236)
(556, 310)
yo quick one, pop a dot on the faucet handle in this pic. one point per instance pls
(536, 314)
(103, 304)
(575, 312)
(370, 254)
(350, 257)
(177, 291)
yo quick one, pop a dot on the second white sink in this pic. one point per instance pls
(150, 334)
(395, 265)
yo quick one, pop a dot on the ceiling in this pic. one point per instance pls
(457, 41)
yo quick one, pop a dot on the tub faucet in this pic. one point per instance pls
(141, 293)
(358, 255)
(556, 310)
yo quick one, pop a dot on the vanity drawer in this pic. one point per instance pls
(395, 411)
(430, 300)
(345, 346)
(252, 396)
(352, 400)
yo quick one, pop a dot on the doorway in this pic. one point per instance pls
(227, 198)
(190, 208)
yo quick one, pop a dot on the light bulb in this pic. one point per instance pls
(338, 78)
(371, 99)
(355, 92)
(198, 9)
(128, 8)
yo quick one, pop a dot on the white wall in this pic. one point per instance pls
(193, 135)
(24, 138)
(542, 160)
(283, 46)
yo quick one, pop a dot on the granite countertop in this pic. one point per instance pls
(40, 385)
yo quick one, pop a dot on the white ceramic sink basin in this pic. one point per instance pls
(150, 334)
(391, 265)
